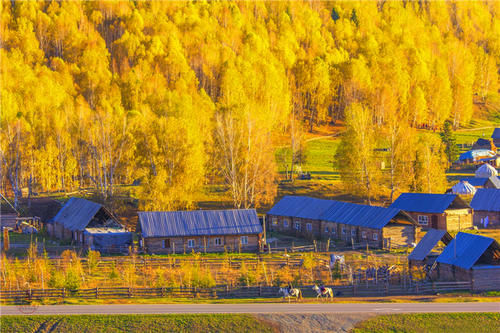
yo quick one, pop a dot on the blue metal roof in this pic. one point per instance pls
(465, 250)
(359, 215)
(77, 213)
(103, 239)
(476, 181)
(496, 133)
(299, 206)
(427, 243)
(199, 223)
(423, 202)
(334, 211)
(487, 199)
(476, 154)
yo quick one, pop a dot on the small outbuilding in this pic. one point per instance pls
(496, 137)
(422, 254)
(437, 211)
(484, 144)
(472, 258)
(486, 205)
(200, 230)
(8, 216)
(91, 225)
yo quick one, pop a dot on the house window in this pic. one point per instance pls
(190, 242)
(334, 230)
(343, 230)
(285, 223)
(327, 230)
(218, 241)
(353, 232)
(244, 240)
(375, 237)
(309, 226)
(297, 226)
(275, 221)
(166, 243)
(363, 234)
(423, 220)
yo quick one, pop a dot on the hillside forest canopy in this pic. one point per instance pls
(178, 95)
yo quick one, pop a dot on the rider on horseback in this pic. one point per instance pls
(322, 288)
(289, 287)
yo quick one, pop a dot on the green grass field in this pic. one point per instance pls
(431, 322)
(136, 323)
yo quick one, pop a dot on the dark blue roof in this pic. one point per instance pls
(427, 243)
(303, 207)
(465, 250)
(359, 215)
(423, 202)
(334, 211)
(487, 199)
(474, 181)
(199, 223)
(77, 213)
(496, 133)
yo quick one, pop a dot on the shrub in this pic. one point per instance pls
(56, 279)
(72, 280)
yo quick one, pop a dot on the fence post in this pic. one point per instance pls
(162, 291)
(260, 290)
(63, 293)
(129, 292)
(433, 287)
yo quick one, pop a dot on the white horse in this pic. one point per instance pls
(294, 292)
(327, 292)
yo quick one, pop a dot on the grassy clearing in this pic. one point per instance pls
(137, 323)
(471, 136)
(431, 322)
(320, 159)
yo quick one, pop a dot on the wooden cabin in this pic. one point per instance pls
(471, 258)
(91, 225)
(438, 211)
(496, 137)
(200, 231)
(8, 216)
(486, 205)
(353, 223)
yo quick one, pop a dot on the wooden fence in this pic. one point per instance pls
(417, 288)
(172, 262)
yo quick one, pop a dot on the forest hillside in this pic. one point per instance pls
(174, 96)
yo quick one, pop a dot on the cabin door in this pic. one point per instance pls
(434, 222)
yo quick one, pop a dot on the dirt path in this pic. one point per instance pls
(308, 323)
